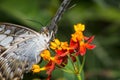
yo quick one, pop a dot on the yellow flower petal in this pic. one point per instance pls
(64, 45)
(57, 42)
(43, 68)
(45, 55)
(79, 27)
(79, 35)
(53, 45)
(36, 68)
(74, 37)
(81, 43)
(59, 48)
(57, 45)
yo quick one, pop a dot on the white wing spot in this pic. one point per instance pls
(2, 27)
(2, 36)
(6, 41)
(7, 32)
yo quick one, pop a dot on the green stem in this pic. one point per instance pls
(82, 65)
(66, 70)
(74, 67)
(78, 63)
(79, 77)
(80, 69)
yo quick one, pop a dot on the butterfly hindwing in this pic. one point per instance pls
(19, 50)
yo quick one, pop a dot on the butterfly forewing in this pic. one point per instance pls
(11, 33)
(20, 46)
(19, 49)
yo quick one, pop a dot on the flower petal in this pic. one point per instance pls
(36, 68)
(73, 44)
(53, 45)
(50, 66)
(45, 55)
(82, 50)
(90, 46)
(90, 39)
(79, 27)
(57, 41)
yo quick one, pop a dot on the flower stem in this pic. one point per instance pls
(74, 67)
(80, 69)
(79, 77)
(82, 65)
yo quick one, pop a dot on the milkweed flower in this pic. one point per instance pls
(79, 42)
(86, 45)
(52, 62)
(57, 45)
(61, 48)
(79, 27)
(36, 68)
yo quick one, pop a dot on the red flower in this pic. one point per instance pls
(50, 67)
(81, 46)
(87, 45)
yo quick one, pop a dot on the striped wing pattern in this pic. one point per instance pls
(19, 49)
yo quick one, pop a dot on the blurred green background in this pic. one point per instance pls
(101, 17)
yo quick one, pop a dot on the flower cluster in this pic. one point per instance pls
(77, 46)
(79, 42)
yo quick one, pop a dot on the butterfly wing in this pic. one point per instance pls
(19, 50)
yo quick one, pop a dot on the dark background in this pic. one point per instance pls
(101, 17)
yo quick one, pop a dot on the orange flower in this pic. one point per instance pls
(57, 45)
(50, 66)
(79, 27)
(61, 48)
(78, 35)
(79, 42)
(45, 55)
(36, 68)
(83, 46)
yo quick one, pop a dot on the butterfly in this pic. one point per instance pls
(20, 47)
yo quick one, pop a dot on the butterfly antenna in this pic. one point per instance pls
(35, 21)
(72, 6)
(53, 25)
